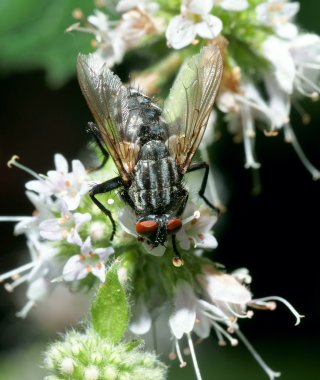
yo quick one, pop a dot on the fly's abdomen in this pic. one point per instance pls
(156, 179)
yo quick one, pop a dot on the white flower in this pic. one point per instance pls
(135, 25)
(65, 227)
(305, 52)
(68, 186)
(109, 43)
(43, 211)
(141, 320)
(242, 108)
(195, 19)
(224, 300)
(232, 5)
(184, 315)
(196, 228)
(278, 14)
(144, 5)
(89, 260)
(37, 273)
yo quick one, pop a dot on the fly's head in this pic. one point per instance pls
(155, 228)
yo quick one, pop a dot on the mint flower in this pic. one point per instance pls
(223, 300)
(65, 185)
(87, 356)
(277, 14)
(90, 260)
(65, 227)
(195, 19)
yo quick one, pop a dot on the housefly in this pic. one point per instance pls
(151, 147)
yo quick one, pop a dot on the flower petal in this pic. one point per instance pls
(183, 318)
(180, 32)
(210, 27)
(141, 321)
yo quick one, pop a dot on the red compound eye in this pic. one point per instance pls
(174, 224)
(146, 227)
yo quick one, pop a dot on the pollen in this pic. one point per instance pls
(82, 257)
(68, 183)
(271, 133)
(98, 265)
(177, 262)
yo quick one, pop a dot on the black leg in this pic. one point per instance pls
(177, 260)
(184, 196)
(105, 187)
(197, 166)
(94, 130)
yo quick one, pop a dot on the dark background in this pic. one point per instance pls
(275, 234)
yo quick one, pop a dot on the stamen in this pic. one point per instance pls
(291, 137)
(272, 375)
(305, 117)
(309, 83)
(194, 358)
(11, 286)
(25, 310)
(247, 125)
(13, 162)
(13, 218)
(17, 271)
(245, 315)
(232, 340)
(182, 362)
(218, 319)
(285, 302)
(265, 111)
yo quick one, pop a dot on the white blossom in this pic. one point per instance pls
(232, 5)
(65, 185)
(90, 260)
(141, 320)
(144, 5)
(195, 19)
(197, 228)
(38, 273)
(65, 227)
(278, 14)
(223, 300)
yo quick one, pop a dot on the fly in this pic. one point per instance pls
(152, 148)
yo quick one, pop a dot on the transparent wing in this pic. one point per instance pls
(189, 104)
(107, 98)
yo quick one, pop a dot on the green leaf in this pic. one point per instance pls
(110, 310)
(134, 344)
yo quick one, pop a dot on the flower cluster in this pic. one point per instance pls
(202, 298)
(269, 62)
(87, 356)
(58, 234)
(69, 237)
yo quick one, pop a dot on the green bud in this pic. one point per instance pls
(88, 356)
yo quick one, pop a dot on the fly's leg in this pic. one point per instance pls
(203, 165)
(177, 260)
(105, 187)
(94, 130)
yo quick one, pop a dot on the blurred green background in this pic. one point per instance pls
(274, 234)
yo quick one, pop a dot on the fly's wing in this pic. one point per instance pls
(107, 98)
(189, 104)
